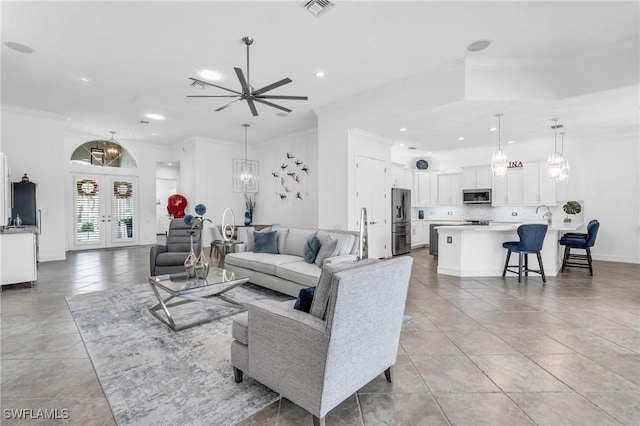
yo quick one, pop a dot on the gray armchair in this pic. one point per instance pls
(169, 258)
(351, 335)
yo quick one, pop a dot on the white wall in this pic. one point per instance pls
(33, 142)
(604, 176)
(291, 211)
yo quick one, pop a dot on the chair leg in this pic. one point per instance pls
(589, 260)
(544, 278)
(237, 375)
(520, 258)
(526, 264)
(318, 421)
(387, 374)
(567, 249)
(506, 263)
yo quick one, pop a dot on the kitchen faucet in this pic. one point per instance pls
(547, 215)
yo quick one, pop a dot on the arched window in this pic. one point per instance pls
(103, 153)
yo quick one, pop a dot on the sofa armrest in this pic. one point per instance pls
(153, 253)
(287, 350)
(340, 259)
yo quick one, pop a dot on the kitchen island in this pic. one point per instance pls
(476, 251)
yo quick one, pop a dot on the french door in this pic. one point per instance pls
(105, 209)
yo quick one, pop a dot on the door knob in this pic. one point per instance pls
(372, 223)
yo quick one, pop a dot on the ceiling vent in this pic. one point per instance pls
(317, 7)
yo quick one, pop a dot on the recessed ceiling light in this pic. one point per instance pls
(320, 74)
(401, 144)
(18, 47)
(168, 164)
(493, 129)
(154, 116)
(84, 78)
(403, 129)
(461, 138)
(479, 45)
(153, 134)
(211, 75)
(510, 142)
(429, 153)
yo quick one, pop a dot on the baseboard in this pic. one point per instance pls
(618, 259)
(52, 258)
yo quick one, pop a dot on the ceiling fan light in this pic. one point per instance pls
(211, 75)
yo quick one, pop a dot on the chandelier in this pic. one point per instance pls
(565, 171)
(555, 162)
(245, 171)
(499, 160)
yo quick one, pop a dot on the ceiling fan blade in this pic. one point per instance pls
(214, 85)
(212, 96)
(262, 101)
(252, 107)
(273, 86)
(294, 98)
(229, 104)
(243, 81)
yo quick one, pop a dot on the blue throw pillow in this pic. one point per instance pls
(311, 248)
(265, 242)
(305, 297)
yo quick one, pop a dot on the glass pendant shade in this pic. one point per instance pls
(499, 160)
(565, 172)
(245, 172)
(499, 163)
(555, 162)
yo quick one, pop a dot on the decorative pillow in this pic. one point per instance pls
(305, 297)
(328, 248)
(250, 231)
(265, 242)
(311, 248)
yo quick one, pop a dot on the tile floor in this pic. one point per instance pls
(480, 351)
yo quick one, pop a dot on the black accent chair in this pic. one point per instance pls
(531, 240)
(169, 258)
(580, 241)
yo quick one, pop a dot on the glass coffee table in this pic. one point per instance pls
(190, 290)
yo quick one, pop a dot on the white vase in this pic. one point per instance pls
(190, 262)
(202, 265)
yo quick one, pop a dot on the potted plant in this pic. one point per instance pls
(571, 207)
(86, 227)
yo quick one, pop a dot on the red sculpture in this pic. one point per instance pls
(176, 205)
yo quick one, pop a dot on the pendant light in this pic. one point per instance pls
(499, 160)
(555, 162)
(565, 171)
(245, 171)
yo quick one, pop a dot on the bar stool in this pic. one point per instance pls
(580, 241)
(531, 240)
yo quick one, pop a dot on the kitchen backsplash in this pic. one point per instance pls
(496, 214)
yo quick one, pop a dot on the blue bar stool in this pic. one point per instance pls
(531, 240)
(580, 241)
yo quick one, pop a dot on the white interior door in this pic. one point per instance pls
(164, 188)
(105, 211)
(371, 193)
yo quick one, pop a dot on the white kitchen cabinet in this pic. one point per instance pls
(476, 177)
(524, 186)
(418, 233)
(426, 189)
(450, 189)
(18, 258)
(401, 178)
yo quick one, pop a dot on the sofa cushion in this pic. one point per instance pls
(325, 284)
(328, 248)
(303, 302)
(300, 272)
(282, 239)
(240, 328)
(345, 241)
(260, 262)
(265, 242)
(296, 240)
(243, 234)
(311, 248)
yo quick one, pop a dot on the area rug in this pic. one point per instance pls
(151, 375)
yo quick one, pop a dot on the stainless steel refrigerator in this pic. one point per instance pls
(400, 221)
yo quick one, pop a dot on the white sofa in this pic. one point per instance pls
(287, 271)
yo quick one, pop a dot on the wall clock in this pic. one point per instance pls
(422, 165)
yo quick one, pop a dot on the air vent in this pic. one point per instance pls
(316, 7)
(412, 147)
(557, 126)
(144, 122)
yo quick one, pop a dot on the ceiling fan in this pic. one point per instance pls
(247, 93)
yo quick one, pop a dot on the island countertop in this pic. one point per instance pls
(476, 250)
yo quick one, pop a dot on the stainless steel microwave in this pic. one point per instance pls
(476, 196)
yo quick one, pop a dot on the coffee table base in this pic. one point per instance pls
(167, 319)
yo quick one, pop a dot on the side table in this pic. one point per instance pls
(222, 248)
